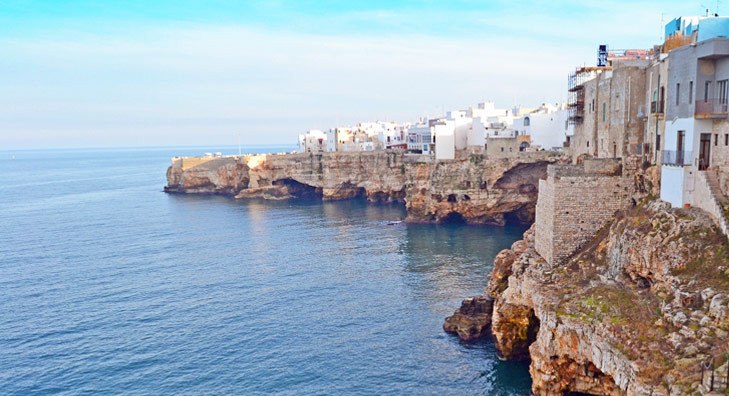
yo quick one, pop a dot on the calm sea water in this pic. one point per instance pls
(110, 286)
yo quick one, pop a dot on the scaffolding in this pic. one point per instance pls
(576, 91)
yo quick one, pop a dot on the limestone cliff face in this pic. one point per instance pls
(636, 312)
(481, 190)
(206, 175)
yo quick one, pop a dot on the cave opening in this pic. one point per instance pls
(454, 218)
(300, 190)
(519, 217)
(360, 193)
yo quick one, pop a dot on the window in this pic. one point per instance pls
(604, 109)
(707, 88)
(502, 149)
(716, 139)
(588, 143)
(678, 93)
(691, 92)
(726, 139)
(722, 91)
(526, 121)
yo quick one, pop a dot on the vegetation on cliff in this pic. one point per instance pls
(639, 310)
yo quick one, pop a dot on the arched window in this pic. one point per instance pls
(526, 121)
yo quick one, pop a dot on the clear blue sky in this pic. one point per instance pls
(129, 73)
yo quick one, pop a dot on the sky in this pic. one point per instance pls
(83, 73)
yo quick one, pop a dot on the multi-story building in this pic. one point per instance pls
(607, 107)
(697, 120)
(444, 138)
(548, 125)
(420, 138)
(313, 141)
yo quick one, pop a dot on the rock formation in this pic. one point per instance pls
(637, 311)
(472, 187)
(472, 320)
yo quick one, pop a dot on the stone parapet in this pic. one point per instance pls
(575, 202)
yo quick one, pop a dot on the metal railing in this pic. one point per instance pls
(711, 108)
(677, 158)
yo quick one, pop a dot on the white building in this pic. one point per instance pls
(392, 135)
(547, 125)
(678, 166)
(444, 135)
(420, 138)
(487, 111)
(462, 123)
(337, 137)
(313, 141)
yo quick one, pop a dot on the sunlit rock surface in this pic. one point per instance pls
(471, 188)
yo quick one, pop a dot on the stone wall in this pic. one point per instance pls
(575, 202)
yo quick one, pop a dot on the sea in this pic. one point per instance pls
(108, 285)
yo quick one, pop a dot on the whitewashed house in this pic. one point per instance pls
(444, 136)
(548, 125)
(462, 124)
(313, 141)
(420, 138)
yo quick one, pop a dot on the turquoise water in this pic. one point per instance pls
(111, 286)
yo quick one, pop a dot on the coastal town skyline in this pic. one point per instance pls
(81, 74)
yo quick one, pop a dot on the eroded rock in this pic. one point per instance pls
(471, 321)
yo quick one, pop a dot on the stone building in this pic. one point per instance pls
(507, 145)
(655, 105)
(607, 109)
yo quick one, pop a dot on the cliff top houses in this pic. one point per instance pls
(484, 127)
(666, 107)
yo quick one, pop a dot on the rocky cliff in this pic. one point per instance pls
(472, 187)
(638, 311)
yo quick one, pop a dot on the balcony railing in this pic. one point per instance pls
(677, 158)
(657, 107)
(712, 108)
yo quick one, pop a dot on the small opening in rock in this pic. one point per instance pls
(452, 198)
(454, 218)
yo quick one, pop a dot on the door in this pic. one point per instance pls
(704, 151)
(679, 147)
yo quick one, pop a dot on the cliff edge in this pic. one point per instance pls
(472, 187)
(642, 309)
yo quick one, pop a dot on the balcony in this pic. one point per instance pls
(712, 108)
(657, 107)
(677, 158)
